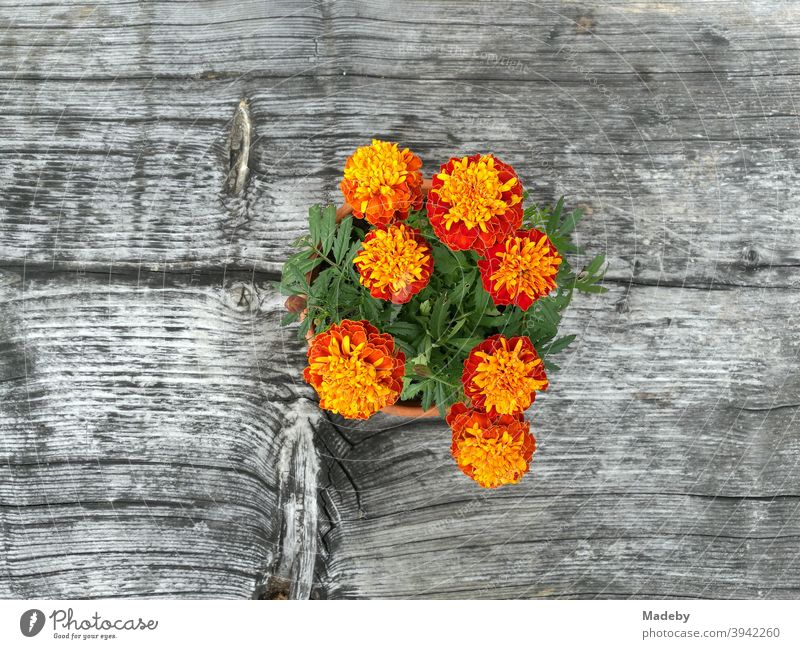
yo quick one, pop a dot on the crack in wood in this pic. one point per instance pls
(292, 573)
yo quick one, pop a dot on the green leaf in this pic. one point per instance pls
(452, 331)
(464, 344)
(370, 309)
(343, 300)
(315, 224)
(570, 222)
(424, 349)
(492, 321)
(481, 301)
(554, 218)
(439, 317)
(348, 260)
(412, 387)
(322, 284)
(293, 282)
(550, 366)
(441, 398)
(406, 330)
(289, 318)
(559, 345)
(445, 261)
(306, 263)
(293, 278)
(464, 288)
(595, 264)
(342, 242)
(390, 313)
(536, 217)
(303, 241)
(407, 348)
(305, 325)
(327, 229)
(540, 333)
(591, 288)
(428, 394)
(513, 320)
(548, 312)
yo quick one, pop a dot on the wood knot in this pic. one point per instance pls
(585, 25)
(239, 149)
(715, 35)
(750, 257)
(243, 296)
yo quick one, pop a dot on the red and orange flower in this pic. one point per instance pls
(355, 370)
(493, 450)
(382, 182)
(475, 202)
(502, 375)
(395, 263)
(520, 269)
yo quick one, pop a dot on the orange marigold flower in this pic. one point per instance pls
(395, 263)
(502, 375)
(520, 269)
(474, 202)
(493, 450)
(355, 370)
(382, 182)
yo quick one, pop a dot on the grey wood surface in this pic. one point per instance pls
(155, 436)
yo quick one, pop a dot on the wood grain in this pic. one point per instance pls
(147, 438)
(156, 439)
(414, 39)
(129, 172)
(667, 467)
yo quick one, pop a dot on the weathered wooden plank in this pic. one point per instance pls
(586, 547)
(146, 435)
(417, 39)
(132, 174)
(667, 466)
(119, 39)
(523, 40)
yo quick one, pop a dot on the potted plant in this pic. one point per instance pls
(434, 296)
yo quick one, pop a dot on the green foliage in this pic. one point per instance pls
(439, 326)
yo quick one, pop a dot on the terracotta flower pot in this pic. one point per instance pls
(297, 304)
